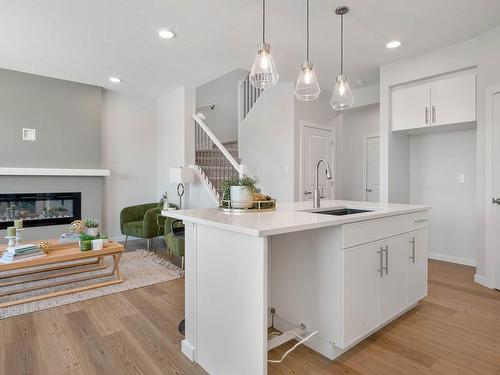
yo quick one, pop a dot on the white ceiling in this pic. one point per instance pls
(89, 40)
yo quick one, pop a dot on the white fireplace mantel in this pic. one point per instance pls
(54, 172)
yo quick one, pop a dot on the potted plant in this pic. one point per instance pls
(104, 239)
(91, 226)
(86, 242)
(240, 191)
(97, 244)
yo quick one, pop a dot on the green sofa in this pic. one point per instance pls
(142, 221)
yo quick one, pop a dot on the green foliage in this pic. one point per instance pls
(86, 237)
(103, 237)
(246, 181)
(90, 222)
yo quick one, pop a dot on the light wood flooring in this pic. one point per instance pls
(455, 330)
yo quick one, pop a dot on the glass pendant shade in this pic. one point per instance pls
(307, 87)
(264, 73)
(342, 97)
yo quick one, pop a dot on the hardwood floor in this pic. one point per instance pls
(455, 330)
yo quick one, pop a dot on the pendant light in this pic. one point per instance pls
(342, 97)
(264, 73)
(307, 87)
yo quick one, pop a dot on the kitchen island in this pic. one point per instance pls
(297, 268)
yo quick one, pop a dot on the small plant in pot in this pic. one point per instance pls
(91, 226)
(104, 239)
(86, 242)
(239, 191)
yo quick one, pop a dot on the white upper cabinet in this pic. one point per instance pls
(453, 100)
(410, 107)
(444, 101)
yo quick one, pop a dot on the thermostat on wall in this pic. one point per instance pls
(29, 134)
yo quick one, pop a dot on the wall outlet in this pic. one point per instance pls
(29, 134)
(461, 178)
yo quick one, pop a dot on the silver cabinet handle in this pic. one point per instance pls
(368, 190)
(420, 221)
(412, 241)
(496, 201)
(433, 114)
(386, 250)
(381, 262)
(307, 192)
(426, 115)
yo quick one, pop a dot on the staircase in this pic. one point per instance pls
(216, 162)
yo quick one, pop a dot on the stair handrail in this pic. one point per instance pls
(199, 117)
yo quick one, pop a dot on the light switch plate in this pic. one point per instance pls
(29, 134)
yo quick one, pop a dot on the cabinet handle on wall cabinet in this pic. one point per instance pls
(381, 260)
(426, 115)
(420, 221)
(433, 114)
(412, 241)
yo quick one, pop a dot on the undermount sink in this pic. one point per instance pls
(342, 211)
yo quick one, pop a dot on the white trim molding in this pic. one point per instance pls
(4, 171)
(481, 280)
(452, 259)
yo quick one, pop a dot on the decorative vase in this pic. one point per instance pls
(86, 245)
(241, 197)
(166, 205)
(94, 232)
(105, 241)
(97, 244)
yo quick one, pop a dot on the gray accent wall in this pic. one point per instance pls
(66, 116)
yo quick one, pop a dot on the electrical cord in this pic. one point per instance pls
(303, 340)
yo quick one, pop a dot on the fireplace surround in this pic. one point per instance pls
(40, 209)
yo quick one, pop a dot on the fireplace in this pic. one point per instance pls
(40, 209)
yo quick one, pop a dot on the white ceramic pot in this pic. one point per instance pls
(241, 197)
(97, 244)
(94, 232)
(105, 242)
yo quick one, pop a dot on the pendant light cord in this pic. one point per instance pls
(263, 21)
(341, 44)
(307, 30)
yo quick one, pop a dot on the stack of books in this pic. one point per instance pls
(21, 252)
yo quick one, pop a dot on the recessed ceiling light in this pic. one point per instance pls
(166, 34)
(393, 44)
(115, 79)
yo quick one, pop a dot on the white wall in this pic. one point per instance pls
(357, 123)
(129, 150)
(436, 160)
(223, 93)
(267, 141)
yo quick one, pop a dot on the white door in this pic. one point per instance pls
(360, 281)
(410, 107)
(453, 100)
(371, 169)
(316, 143)
(394, 280)
(495, 228)
(417, 270)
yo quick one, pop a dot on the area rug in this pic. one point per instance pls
(138, 268)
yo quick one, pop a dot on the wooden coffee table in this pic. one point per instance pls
(88, 261)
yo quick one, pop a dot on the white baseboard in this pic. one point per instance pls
(481, 280)
(451, 259)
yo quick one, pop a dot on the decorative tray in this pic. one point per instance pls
(247, 206)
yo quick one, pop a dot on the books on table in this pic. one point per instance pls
(20, 253)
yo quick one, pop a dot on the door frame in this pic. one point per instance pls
(303, 124)
(490, 278)
(365, 167)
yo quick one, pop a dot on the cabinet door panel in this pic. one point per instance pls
(394, 283)
(453, 100)
(360, 299)
(410, 107)
(417, 270)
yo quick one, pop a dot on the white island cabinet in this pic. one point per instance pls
(343, 276)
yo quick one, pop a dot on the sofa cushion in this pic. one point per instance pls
(134, 229)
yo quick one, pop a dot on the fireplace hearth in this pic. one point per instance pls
(39, 209)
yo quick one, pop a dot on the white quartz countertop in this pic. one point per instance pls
(290, 217)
